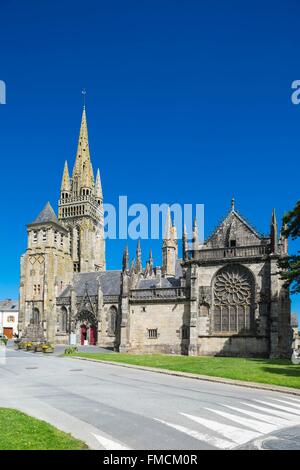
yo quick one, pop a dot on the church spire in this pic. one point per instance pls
(98, 186)
(138, 257)
(274, 233)
(185, 245)
(125, 263)
(169, 249)
(195, 240)
(83, 175)
(65, 182)
(168, 226)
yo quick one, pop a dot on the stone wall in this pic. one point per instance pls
(167, 318)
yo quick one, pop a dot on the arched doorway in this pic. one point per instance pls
(35, 316)
(86, 328)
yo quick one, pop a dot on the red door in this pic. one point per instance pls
(92, 335)
(83, 334)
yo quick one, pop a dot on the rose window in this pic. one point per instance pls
(233, 300)
(232, 287)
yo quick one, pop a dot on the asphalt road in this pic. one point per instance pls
(115, 408)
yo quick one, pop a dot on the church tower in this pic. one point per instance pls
(81, 208)
(169, 250)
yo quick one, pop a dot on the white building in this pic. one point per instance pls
(9, 316)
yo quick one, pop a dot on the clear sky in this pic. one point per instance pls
(187, 101)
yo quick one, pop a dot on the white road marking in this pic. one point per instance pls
(280, 407)
(297, 400)
(109, 444)
(238, 435)
(287, 416)
(287, 402)
(263, 417)
(212, 440)
(250, 423)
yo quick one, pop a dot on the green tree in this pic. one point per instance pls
(290, 266)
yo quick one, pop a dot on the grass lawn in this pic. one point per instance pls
(19, 431)
(268, 371)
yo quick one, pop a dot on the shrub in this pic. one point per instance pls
(71, 350)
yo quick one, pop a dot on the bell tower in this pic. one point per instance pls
(81, 208)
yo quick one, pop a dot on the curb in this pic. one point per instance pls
(207, 378)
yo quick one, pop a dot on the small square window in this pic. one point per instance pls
(152, 333)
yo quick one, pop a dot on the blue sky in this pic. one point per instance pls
(187, 102)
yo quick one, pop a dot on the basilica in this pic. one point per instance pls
(222, 297)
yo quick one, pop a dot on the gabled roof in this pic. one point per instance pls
(234, 212)
(46, 215)
(110, 282)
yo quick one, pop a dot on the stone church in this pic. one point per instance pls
(223, 297)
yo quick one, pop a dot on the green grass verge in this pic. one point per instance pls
(19, 431)
(267, 371)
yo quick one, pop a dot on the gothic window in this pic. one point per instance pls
(78, 242)
(44, 236)
(35, 236)
(70, 241)
(233, 291)
(112, 321)
(63, 319)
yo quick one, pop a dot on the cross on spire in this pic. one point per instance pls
(83, 93)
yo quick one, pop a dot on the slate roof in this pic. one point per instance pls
(9, 305)
(110, 282)
(46, 215)
(165, 282)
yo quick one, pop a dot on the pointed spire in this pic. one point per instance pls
(98, 186)
(168, 226)
(132, 268)
(125, 259)
(232, 204)
(65, 182)
(46, 215)
(138, 257)
(83, 170)
(195, 235)
(150, 258)
(274, 232)
(185, 246)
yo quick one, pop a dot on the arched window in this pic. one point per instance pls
(35, 316)
(63, 319)
(233, 300)
(112, 321)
